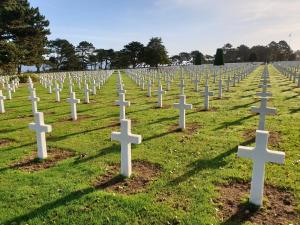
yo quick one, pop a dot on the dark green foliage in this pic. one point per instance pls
(84, 51)
(198, 57)
(252, 57)
(219, 58)
(25, 29)
(155, 53)
(62, 55)
(134, 52)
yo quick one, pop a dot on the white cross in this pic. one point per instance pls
(73, 101)
(182, 106)
(168, 83)
(9, 89)
(196, 81)
(122, 103)
(57, 90)
(40, 128)
(182, 85)
(260, 155)
(2, 98)
(34, 101)
(126, 138)
(30, 85)
(94, 86)
(13, 85)
(86, 93)
(121, 88)
(220, 88)
(206, 95)
(149, 88)
(160, 93)
(263, 110)
(50, 86)
(264, 87)
(71, 85)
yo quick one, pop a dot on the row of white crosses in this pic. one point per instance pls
(125, 137)
(94, 78)
(38, 125)
(195, 78)
(10, 88)
(260, 154)
(290, 69)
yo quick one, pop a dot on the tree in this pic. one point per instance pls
(243, 53)
(120, 60)
(252, 57)
(62, 55)
(100, 54)
(134, 51)
(84, 50)
(219, 58)
(197, 57)
(24, 27)
(108, 57)
(93, 60)
(184, 56)
(261, 52)
(175, 59)
(230, 53)
(155, 53)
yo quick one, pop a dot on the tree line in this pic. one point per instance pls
(24, 41)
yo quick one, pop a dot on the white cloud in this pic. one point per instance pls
(240, 21)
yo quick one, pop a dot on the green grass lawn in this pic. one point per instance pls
(192, 165)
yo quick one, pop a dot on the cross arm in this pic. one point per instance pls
(275, 156)
(135, 139)
(245, 152)
(188, 106)
(115, 136)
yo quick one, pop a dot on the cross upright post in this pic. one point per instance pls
(126, 138)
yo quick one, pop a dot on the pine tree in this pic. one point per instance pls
(219, 58)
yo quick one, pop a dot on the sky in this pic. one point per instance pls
(183, 25)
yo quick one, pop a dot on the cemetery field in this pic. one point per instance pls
(186, 171)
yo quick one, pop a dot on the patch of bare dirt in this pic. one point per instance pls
(143, 174)
(5, 141)
(279, 206)
(274, 136)
(190, 128)
(32, 163)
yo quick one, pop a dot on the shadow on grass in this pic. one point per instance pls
(214, 163)
(54, 138)
(49, 206)
(6, 130)
(291, 97)
(161, 134)
(15, 147)
(235, 122)
(294, 110)
(244, 105)
(109, 150)
(161, 120)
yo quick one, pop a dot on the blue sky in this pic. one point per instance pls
(184, 25)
